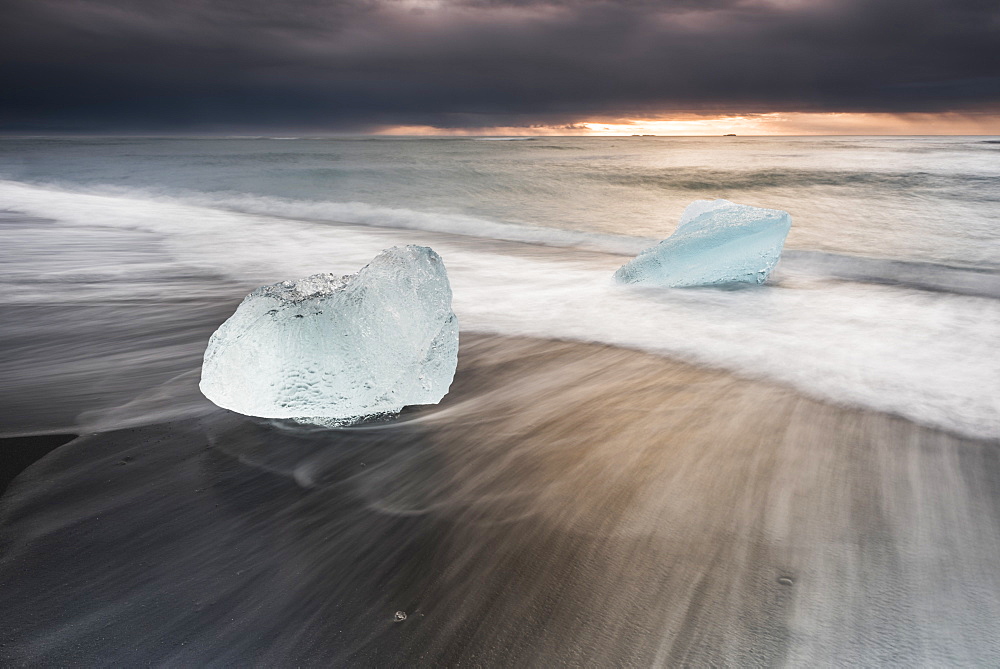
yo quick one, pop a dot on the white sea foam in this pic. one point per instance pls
(930, 356)
(362, 213)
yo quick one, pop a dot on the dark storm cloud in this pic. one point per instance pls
(353, 65)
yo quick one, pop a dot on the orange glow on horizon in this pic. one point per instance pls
(780, 123)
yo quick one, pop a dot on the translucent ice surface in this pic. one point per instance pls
(336, 350)
(717, 242)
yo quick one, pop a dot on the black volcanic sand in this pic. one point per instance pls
(567, 504)
(18, 453)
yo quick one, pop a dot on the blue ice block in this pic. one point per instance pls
(717, 243)
(335, 350)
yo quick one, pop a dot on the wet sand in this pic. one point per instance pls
(566, 505)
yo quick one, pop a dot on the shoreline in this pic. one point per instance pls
(925, 355)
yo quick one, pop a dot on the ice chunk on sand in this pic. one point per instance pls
(335, 350)
(717, 242)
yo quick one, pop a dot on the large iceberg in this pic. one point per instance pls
(717, 242)
(336, 350)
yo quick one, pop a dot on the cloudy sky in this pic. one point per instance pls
(530, 66)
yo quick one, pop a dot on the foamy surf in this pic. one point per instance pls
(929, 356)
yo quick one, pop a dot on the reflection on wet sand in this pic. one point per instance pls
(567, 504)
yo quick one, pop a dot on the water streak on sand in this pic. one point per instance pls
(567, 503)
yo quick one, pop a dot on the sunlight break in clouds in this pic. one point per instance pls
(790, 123)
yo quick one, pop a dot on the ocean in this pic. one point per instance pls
(886, 296)
(803, 473)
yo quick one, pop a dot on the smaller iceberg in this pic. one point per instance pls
(333, 350)
(717, 242)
